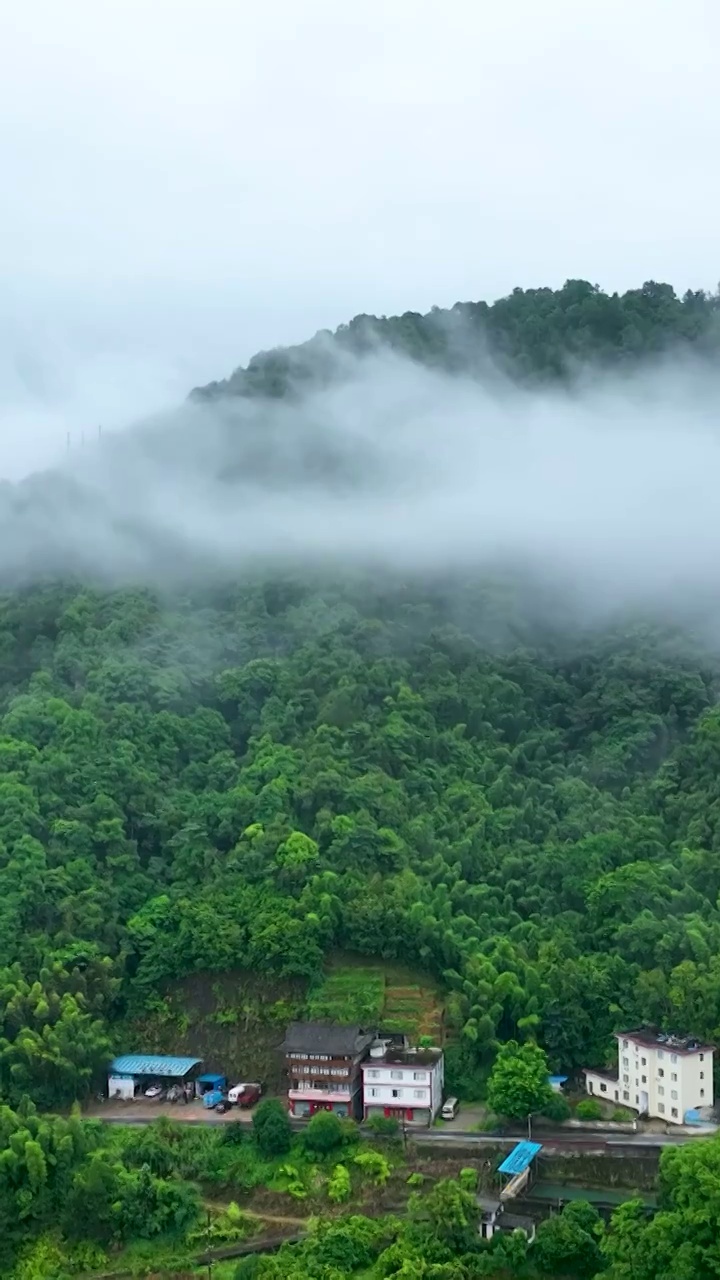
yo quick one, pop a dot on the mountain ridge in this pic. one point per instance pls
(530, 334)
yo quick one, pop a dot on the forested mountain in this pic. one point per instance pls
(286, 769)
(248, 768)
(532, 334)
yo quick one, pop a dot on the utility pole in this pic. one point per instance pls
(530, 1120)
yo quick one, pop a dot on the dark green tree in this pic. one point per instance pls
(271, 1127)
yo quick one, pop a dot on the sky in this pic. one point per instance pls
(186, 182)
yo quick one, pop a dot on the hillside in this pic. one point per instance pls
(532, 334)
(236, 1020)
(450, 794)
(530, 818)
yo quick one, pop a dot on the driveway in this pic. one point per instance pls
(143, 1110)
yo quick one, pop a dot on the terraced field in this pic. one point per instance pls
(393, 996)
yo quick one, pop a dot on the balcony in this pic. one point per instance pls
(339, 1093)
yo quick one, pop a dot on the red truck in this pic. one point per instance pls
(245, 1095)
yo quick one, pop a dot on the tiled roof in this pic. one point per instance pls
(326, 1037)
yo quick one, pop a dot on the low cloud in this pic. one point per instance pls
(610, 486)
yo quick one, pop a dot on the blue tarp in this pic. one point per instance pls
(211, 1078)
(152, 1064)
(520, 1157)
(557, 1079)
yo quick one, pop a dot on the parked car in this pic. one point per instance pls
(248, 1095)
(234, 1093)
(155, 1090)
(449, 1109)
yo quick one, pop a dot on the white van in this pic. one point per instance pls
(449, 1109)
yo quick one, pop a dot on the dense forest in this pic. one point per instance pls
(253, 770)
(532, 335)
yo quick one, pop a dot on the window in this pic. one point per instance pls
(637, 1082)
(673, 1093)
(396, 1075)
(643, 1062)
(625, 1044)
(702, 1075)
(661, 1106)
(603, 1088)
(418, 1093)
(702, 1057)
(673, 1057)
(418, 1075)
(626, 1079)
(373, 1075)
(673, 1111)
(373, 1093)
(661, 1053)
(397, 1093)
(674, 1075)
(637, 1100)
(660, 1071)
(702, 1093)
(626, 1062)
(644, 1079)
(616, 1095)
(626, 1095)
(661, 1089)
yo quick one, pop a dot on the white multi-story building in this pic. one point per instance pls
(404, 1083)
(658, 1075)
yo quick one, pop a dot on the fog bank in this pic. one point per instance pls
(610, 486)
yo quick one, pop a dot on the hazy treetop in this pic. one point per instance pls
(187, 183)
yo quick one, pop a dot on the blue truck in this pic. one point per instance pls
(212, 1089)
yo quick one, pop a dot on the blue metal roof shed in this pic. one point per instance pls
(152, 1064)
(520, 1157)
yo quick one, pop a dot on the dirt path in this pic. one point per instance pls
(283, 1219)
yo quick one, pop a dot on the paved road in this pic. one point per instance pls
(554, 1140)
(596, 1141)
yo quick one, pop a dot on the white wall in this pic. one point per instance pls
(122, 1086)
(600, 1087)
(674, 1082)
(415, 1086)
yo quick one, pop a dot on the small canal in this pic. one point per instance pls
(547, 1196)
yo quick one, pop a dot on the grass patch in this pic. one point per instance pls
(389, 995)
(349, 995)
